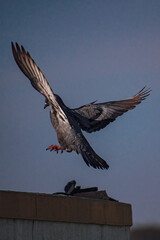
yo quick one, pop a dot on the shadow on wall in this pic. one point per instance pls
(145, 233)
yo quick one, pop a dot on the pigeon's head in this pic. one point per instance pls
(46, 103)
(59, 100)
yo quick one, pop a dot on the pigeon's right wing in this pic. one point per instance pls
(36, 77)
(31, 70)
(93, 117)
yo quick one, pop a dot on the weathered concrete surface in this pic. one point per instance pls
(48, 207)
(14, 229)
(32, 216)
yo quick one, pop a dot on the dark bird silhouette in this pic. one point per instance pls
(70, 186)
(69, 122)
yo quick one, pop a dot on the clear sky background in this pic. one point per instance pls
(88, 50)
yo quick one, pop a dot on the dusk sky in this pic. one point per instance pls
(87, 50)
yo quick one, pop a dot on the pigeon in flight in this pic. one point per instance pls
(69, 123)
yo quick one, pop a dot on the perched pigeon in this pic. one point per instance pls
(69, 122)
(70, 186)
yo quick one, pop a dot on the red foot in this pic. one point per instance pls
(55, 148)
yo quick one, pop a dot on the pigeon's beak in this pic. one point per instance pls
(46, 105)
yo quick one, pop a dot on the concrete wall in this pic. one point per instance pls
(13, 229)
(32, 216)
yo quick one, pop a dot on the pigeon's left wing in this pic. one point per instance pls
(95, 116)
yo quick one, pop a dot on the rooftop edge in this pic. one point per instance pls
(48, 207)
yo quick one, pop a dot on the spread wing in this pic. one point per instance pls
(93, 117)
(36, 77)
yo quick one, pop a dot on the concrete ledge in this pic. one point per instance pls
(47, 207)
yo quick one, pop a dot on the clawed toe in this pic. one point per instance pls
(54, 147)
(57, 148)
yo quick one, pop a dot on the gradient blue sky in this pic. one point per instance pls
(88, 50)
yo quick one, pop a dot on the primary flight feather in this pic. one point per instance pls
(69, 122)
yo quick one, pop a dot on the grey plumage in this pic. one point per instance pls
(69, 122)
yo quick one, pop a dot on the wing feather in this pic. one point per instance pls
(95, 116)
(36, 77)
(31, 70)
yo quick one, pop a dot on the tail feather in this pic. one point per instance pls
(89, 155)
(92, 159)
